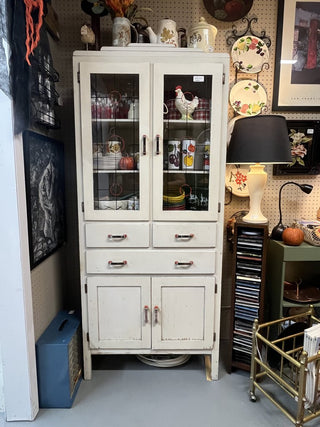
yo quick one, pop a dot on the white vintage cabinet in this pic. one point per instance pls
(150, 195)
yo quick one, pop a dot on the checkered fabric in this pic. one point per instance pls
(201, 114)
(203, 104)
(173, 113)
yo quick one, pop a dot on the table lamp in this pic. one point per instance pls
(256, 140)
(279, 228)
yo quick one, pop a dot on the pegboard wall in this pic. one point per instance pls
(47, 297)
(187, 13)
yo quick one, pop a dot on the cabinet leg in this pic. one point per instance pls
(87, 365)
(211, 365)
(207, 362)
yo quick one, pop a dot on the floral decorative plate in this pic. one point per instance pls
(248, 97)
(236, 180)
(249, 53)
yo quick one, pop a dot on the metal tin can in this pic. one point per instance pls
(206, 161)
(133, 203)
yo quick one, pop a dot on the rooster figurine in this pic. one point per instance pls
(183, 105)
(87, 35)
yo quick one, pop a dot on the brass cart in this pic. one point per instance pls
(289, 367)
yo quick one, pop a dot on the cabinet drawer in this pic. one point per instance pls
(184, 234)
(117, 234)
(150, 262)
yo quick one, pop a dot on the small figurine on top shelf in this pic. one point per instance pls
(87, 35)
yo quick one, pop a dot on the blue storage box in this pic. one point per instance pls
(59, 361)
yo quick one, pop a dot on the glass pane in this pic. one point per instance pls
(115, 137)
(186, 161)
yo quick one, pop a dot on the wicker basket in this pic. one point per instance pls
(311, 231)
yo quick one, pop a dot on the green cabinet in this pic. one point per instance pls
(289, 263)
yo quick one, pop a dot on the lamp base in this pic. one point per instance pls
(277, 231)
(256, 178)
(254, 219)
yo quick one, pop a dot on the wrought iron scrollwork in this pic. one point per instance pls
(234, 34)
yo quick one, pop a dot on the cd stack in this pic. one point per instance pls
(248, 276)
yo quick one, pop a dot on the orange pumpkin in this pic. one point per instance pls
(292, 236)
(126, 162)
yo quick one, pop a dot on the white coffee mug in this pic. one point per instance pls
(188, 152)
(174, 154)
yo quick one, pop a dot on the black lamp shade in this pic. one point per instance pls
(260, 139)
(306, 188)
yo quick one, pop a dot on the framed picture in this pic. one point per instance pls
(297, 64)
(304, 136)
(44, 175)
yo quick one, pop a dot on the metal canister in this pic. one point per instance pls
(206, 161)
(133, 203)
(206, 156)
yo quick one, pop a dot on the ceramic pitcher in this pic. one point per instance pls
(167, 33)
(121, 32)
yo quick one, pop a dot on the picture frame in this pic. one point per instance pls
(297, 63)
(45, 194)
(304, 136)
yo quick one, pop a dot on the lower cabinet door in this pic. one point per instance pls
(119, 312)
(159, 313)
(183, 312)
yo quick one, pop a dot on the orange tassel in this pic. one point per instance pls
(32, 29)
(119, 7)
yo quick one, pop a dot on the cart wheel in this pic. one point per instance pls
(252, 397)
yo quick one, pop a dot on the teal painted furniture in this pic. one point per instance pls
(285, 263)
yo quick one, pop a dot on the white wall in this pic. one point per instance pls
(16, 317)
(20, 322)
(1, 385)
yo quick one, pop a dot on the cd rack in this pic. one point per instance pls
(248, 286)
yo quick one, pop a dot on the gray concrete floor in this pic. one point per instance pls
(124, 392)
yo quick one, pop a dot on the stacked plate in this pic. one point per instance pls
(113, 205)
(175, 202)
(109, 161)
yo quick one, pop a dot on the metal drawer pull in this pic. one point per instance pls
(156, 314)
(158, 144)
(184, 264)
(184, 236)
(146, 313)
(117, 264)
(117, 236)
(144, 144)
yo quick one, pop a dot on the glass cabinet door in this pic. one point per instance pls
(115, 129)
(187, 127)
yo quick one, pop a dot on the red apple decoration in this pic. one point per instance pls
(234, 8)
(292, 236)
(126, 163)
